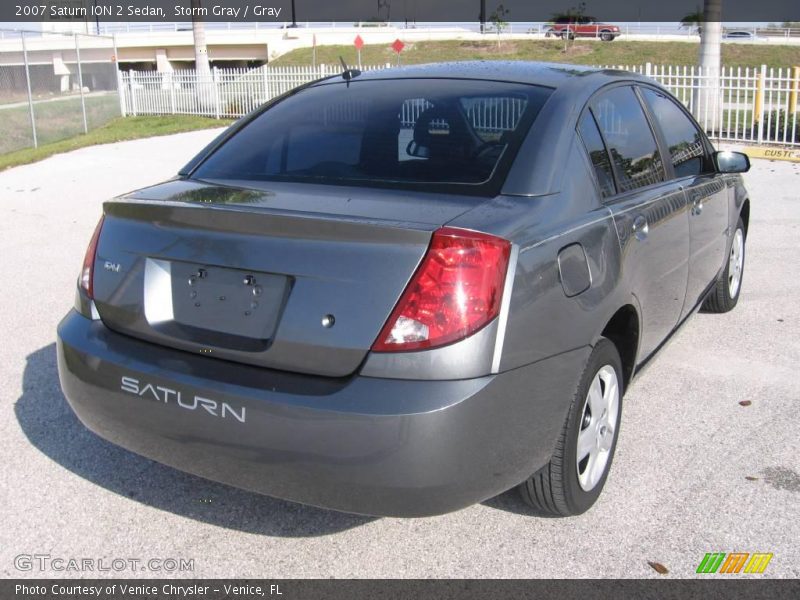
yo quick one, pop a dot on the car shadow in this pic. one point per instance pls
(511, 501)
(51, 426)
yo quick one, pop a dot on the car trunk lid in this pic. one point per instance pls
(294, 277)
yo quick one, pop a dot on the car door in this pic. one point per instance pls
(705, 189)
(648, 209)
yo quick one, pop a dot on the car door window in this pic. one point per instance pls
(683, 138)
(629, 139)
(596, 149)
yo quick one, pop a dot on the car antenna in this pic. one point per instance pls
(348, 73)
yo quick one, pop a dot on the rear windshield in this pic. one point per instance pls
(428, 134)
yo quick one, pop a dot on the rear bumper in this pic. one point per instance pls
(363, 445)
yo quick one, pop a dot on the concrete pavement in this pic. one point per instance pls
(679, 486)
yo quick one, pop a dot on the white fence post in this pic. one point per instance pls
(121, 91)
(216, 94)
(171, 82)
(265, 81)
(648, 69)
(132, 84)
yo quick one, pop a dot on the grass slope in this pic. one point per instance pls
(117, 130)
(585, 52)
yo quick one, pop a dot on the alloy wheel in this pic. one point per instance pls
(597, 427)
(736, 264)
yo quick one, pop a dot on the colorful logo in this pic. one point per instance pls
(734, 562)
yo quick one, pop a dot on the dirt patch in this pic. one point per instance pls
(504, 47)
(577, 50)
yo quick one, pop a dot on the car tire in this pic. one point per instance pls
(725, 294)
(566, 35)
(606, 36)
(550, 33)
(567, 485)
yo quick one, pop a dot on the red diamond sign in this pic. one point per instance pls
(358, 42)
(398, 46)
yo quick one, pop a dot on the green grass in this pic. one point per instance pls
(585, 52)
(116, 130)
(55, 120)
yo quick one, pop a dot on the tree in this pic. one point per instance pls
(498, 19)
(204, 88)
(199, 33)
(573, 15)
(711, 34)
(387, 4)
(692, 22)
(708, 106)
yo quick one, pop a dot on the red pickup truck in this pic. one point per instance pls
(582, 27)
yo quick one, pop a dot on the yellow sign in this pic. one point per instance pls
(773, 153)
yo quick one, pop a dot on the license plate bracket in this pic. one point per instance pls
(214, 305)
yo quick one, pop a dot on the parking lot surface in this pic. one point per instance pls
(695, 471)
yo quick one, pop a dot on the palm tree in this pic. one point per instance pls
(204, 86)
(708, 99)
(692, 22)
(711, 34)
(199, 33)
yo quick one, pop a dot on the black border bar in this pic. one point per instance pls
(711, 588)
(397, 12)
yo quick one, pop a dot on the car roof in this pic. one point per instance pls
(552, 75)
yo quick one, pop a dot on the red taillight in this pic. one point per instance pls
(87, 272)
(455, 291)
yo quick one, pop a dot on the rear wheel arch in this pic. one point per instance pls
(623, 331)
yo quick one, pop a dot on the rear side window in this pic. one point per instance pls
(630, 141)
(426, 134)
(597, 153)
(684, 140)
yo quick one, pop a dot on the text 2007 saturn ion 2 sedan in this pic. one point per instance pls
(404, 292)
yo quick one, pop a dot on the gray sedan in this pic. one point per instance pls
(403, 292)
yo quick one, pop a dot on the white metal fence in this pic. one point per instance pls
(757, 105)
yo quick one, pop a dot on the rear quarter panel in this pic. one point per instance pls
(542, 320)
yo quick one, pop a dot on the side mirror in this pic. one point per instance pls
(731, 162)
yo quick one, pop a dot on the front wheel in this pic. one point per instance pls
(573, 479)
(606, 36)
(725, 294)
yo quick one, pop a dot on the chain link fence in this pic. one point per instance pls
(55, 86)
